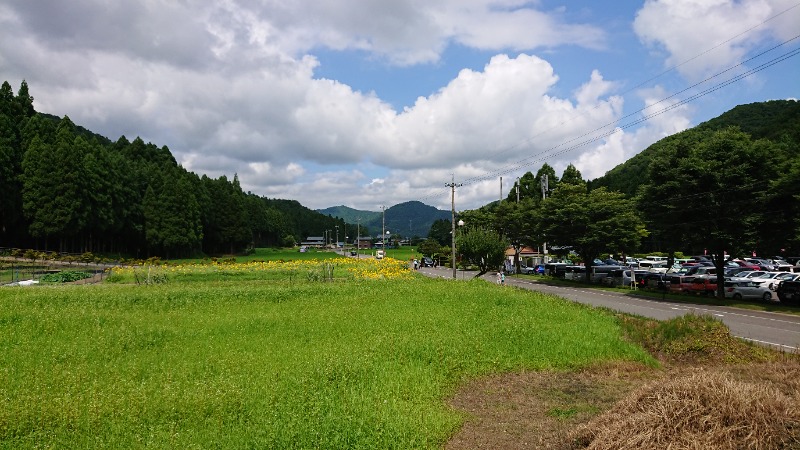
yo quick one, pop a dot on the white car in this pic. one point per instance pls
(740, 288)
(769, 279)
(750, 274)
(783, 276)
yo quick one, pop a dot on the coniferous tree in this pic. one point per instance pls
(38, 186)
(98, 188)
(70, 205)
(172, 216)
(24, 101)
(572, 175)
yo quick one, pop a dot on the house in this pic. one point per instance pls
(527, 255)
(314, 242)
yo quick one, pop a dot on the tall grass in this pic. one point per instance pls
(270, 364)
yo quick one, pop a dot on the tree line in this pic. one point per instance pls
(714, 190)
(67, 189)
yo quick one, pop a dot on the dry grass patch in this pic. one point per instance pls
(704, 408)
(713, 392)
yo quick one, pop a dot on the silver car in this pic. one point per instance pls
(741, 288)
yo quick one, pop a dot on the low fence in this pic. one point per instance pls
(14, 270)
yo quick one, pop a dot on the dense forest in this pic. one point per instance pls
(67, 189)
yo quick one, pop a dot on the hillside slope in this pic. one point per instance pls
(774, 120)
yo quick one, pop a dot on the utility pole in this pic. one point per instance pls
(358, 238)
(545, 188)
(501, 189)
(518, 189)
(336, 245)
(383, 229)
(452, 185)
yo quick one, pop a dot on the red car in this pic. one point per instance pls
(704, 285)
(747, 264)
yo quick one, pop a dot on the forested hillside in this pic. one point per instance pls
(67, 189)
(777, 120)
(350, 215)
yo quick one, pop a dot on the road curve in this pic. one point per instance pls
(781, 331)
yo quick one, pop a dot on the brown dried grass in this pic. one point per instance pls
(713, 391)
(705, 408)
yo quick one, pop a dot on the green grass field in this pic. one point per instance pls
(272, 363)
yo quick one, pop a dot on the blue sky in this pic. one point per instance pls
(368, 102)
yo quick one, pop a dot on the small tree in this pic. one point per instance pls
(429, 247)
(481, 247)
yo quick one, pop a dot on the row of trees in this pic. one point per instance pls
(67, 189)
(707, 191)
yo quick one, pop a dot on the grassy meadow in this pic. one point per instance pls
(273, 357)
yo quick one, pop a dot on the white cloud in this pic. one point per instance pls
(229, 86)
(685, 29)
(667, 119)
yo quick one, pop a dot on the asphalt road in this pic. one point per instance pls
(776, 330)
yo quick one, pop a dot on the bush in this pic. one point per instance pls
(66, 276)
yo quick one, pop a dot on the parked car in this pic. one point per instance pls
(632, 262)
(772, 284)
(733, 271)
(704, 285)
(680, 284)
(656, 281)
(747, 264)
(765, 264)
(793, 260)
(611, 280)
(527, 270)
(653, 266)
(739, 288)
(782, 266)
(789, 292)
(766, 279)
(427, 261)
(701, 270)
(575, 273)
(750, 274)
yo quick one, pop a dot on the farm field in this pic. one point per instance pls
(312, 356)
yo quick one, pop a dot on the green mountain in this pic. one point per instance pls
(407, 219)
(350, 215)
(775, 120)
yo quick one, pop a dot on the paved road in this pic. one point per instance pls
(766, 328)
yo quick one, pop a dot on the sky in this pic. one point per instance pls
(371, 103)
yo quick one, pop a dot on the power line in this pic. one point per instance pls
(670, 69)
(553, 151)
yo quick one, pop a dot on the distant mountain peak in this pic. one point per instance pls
(412, 218)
